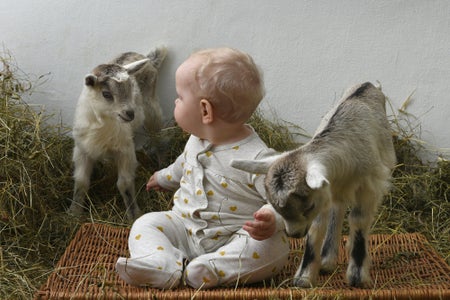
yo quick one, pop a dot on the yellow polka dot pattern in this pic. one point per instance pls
(194, 201)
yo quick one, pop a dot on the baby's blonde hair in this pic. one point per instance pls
(231, 81)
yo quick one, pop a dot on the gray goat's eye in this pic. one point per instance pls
(107, 95)
(308, 210)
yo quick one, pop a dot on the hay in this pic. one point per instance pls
(420, 198)
(36, 184)
(34, 176)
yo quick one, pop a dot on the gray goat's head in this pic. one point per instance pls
(298, 190)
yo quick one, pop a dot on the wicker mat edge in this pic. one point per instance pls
(404, 266)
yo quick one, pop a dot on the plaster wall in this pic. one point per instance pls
(310, 51)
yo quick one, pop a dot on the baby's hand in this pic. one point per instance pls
(152, 184)
(263, 226)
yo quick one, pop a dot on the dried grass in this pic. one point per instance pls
(36, 184)
(420, 198)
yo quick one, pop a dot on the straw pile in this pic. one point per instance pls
(36, 184)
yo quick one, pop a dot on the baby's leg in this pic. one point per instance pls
(156, 254)
(242, 260)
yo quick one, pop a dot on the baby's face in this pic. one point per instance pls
(187, 110)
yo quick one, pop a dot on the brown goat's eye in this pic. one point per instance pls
(107, 95)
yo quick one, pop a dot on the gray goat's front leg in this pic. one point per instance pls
(330, 247)
(125, 183)
(360, 220)
(306, 275)
(83, 165)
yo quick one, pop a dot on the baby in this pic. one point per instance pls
(220, 230)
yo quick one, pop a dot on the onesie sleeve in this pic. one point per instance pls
(169, 178)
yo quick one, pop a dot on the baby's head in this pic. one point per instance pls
(231, 81)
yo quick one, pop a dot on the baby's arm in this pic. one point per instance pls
(153, 184)
(167, 179)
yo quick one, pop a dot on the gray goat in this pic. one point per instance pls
(117, 101)
(348, 162)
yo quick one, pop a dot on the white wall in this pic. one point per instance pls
(310, 51)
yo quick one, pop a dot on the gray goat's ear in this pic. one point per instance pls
(254, 166)
(316, 175)
(90, 80)
(135, 66)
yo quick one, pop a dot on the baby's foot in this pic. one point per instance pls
(138, 272)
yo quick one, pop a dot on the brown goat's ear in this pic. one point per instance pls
(157, 56)
(90, 80)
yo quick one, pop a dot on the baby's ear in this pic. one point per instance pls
(255, 166)
(206, 111)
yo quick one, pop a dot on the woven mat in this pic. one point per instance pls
(403, 266)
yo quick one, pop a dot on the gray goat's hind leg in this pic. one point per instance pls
(359, 260)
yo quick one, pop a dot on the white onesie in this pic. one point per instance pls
(202, 236)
